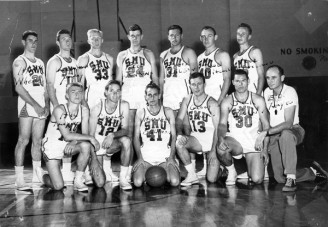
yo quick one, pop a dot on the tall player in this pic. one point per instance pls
(136, 67)
(62, 70)
(33, 106)
(108, 122)
(203, 113)
(249, 58)
(155, 125)
(177, 63)
(243, 110)
(95, 68)
(214, 63)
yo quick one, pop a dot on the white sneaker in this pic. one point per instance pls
(68, 177)
(87, 178)
(190, 180)
(266, 175)
(125, 185)
(22, 186)
(201, 173)
(79, 185)
(232, 177)
(37, 180)
(110, 176)
(243, 176)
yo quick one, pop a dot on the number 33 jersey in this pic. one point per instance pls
(243, 122)
(201, 123)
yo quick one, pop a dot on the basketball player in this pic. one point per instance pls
(249, 58)
(108, 122)
(155, 125)
(177, 63)
(243, 110)
(285, 132)
(203, 113)
(33, 106)
(95, 67)
(62, 70)
(214, 63)
(62, 139)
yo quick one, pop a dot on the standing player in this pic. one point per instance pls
(203, 113)
(62, 139)
(33, 106)
(285, 132)
(109, 121)
(95, 67)
(155, 125)
(214, 63)
(62, 70)
(242, 111)
(249, 58)
(177, 63)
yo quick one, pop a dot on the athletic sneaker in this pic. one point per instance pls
(21, 186)
(110, 176)
(321, 173)
(232, 177)
(266, 174)
(79, 185)
(68, 177)
(290, 185)
(202, 172)
(190, 180)
(40, 173)
(87, 178)
(243, 175)
(125, 185)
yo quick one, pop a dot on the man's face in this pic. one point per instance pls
(175, 37)
(273, 78)
(113, 93)
(135, 37)
(30, 43)
(208, 38)
(243, 35)
(197, 86)
(65, 42)
(240, 82)
(75, 94)
(95, 40)
(152, 96)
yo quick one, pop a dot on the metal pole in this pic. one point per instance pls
(99, 27)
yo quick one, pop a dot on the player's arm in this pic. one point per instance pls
(82, 63)
(151, 57)
(223, 122)
(124, 131)
(189, 56)
(111, 62)
(136, 140)
(161, 76)
(256, 56)
(224, 59)
(181, 114)
(170, 115)
(94, 113)
(52, 66)
(119, 64)
(215, 111)
(85, 120)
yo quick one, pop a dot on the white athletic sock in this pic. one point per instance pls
(231, 168)
(193, 162)
(107, 163)
(78, 174)
(35, 165)
(190, 168)
(66, 167)
(124, 172)
(292, 176)
(130, 170)
(19, 171)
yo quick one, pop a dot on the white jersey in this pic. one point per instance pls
(53, 141)
(156, 137)
(107, 123)
(243, 122)
(136, 75)
(97, 75)
(277, 104)
(176, 76)
(34, 82)
(66, 74)
(245, 62)
(200, 120)
(213, 73)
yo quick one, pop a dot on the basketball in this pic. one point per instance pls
(156, 176)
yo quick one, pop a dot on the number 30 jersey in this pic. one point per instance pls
(243, 122)
(155, 134)
(200, 120)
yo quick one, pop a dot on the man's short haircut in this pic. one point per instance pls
(74, 84)
(61, 32)
(111, 82)
(209, 28)
(197, 75)
(27, 33)
(94, 30)
(152, 85)
(135, 27)
(247, 26)
(280, 69)
(175, 26)
(240, 72)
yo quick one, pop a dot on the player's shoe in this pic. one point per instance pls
(125, 185)
(79, 185)
(201, 173)
(290, 185)
(232, 177)
(37, 179)
(68, 177)
(321, 174)
(243, 175)
(87, 178)
(266, 174)
(110, 176)
(190, 180)
(22, 186)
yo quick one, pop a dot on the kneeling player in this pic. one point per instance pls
(109, 124)
(155, 126)
(203, 114)
(61, 140)
(243, 111)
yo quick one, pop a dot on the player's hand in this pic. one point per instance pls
(259, 141)
(265, 157)
(212, 158)
(70, 148)
(181, 140)
(108, 141)
(139, 162)
(46, 111)
(95, 144)
(39, 110)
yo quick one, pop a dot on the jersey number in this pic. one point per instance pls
(37, 80)
(151, 135)
(206, 72)
(247, 121)
(101, 74)
(172, 71)
(201, 127)
(109, 130)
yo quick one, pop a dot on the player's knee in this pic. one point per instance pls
(174, 181)
(100, 182)
(58, 185)
(287, 135)
(23, 141)
(257, 179)
(85, 147)
(137, 182)
(37, 142)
